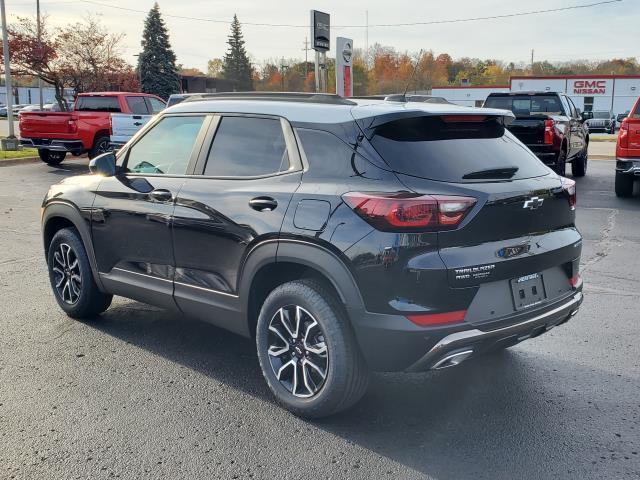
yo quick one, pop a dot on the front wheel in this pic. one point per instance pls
(307, 351)
(71, 278)
(579, 164)
(101, 145)
(51, 157)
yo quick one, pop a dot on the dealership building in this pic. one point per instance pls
(617, 93)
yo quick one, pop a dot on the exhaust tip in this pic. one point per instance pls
(452, 360)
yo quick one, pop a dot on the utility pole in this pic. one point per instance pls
(532, 61)
(7, 69)
(39, 51)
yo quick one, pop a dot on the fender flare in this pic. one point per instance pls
(59, 209)
(304, 253)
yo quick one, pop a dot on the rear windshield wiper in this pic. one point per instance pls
(498, 173)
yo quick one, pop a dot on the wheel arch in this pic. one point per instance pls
(98, 134)
(59, 215)
(265, 270)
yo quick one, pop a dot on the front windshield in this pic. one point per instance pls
(600, 114)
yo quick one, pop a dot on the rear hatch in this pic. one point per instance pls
(629, 135)
(522, 224)
(45, 124)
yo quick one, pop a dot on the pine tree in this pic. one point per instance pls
(157, 62)
(236, 66)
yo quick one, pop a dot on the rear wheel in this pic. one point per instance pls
(71, 278)
(561, 163)
(624, 185)
(307, 351)
(101, 145)
(51, 157)
(579, 164)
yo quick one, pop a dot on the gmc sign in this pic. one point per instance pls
(589, 87)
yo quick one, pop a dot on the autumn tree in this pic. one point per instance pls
(214, 67)
(83, 56)
(157, 62)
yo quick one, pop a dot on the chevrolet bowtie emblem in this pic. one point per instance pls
(533, 203)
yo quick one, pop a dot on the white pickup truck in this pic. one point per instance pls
(126, 125)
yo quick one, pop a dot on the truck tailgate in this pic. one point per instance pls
(529, 129)
(45, 124)
(124, 126)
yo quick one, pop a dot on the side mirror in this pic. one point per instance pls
(104, 165)
(585, 116)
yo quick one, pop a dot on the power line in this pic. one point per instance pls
(408, 24)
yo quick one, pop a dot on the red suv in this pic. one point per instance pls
(628, 153)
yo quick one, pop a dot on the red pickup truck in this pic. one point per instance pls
(86, 128)
(628, 153)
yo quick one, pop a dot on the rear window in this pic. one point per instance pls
(455, 149)
(97, 104)
(526, 104)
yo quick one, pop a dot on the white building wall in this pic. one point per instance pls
(466, 96)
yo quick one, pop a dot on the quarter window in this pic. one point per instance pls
(167, 147)
(247, 147)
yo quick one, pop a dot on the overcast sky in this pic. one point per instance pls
(599, 32)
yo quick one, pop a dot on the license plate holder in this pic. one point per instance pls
(528, 291)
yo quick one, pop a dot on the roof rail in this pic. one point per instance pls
(326, 98)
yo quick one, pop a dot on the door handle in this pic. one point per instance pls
(161, 195)
(263, 204)
(137, 124)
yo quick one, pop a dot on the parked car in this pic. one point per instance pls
(126, 125)
(344, 236)
(602, 121)
(85, 129)
(550, 125)
(628, 153)
(14, 108)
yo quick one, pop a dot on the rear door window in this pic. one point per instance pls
(137, 105)
(455, 149)
(247, 147)
(98, 104)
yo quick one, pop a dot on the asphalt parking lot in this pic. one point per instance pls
(140, 393)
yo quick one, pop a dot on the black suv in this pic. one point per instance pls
(344, 236)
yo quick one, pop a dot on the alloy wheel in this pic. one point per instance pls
(67, 277)
(297, 351)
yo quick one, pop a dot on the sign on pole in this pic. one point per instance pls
(344, 70)
(320, 35)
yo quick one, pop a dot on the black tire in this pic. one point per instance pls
(347, 375)
(51, 157)
(579, 164)
(101, 144)
(71, 278)
(561, 163)
(624, 185)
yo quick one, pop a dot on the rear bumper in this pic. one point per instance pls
(456, 347)
(73, 146)
(393, 343)
(628, 166)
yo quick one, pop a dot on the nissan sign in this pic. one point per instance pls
(344, 77)
(320, 31)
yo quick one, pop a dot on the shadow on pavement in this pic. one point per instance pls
(502, 416)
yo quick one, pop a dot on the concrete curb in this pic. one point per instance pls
(25, 160)
(601, 157)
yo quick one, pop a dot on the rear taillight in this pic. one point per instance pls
(623, 134)
(72, 126)
(575, 280)
(569, 186)
(549, 125)
(402, 212)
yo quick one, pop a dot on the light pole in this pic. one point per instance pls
(137, 55)
(7, 69)
(39, 50)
